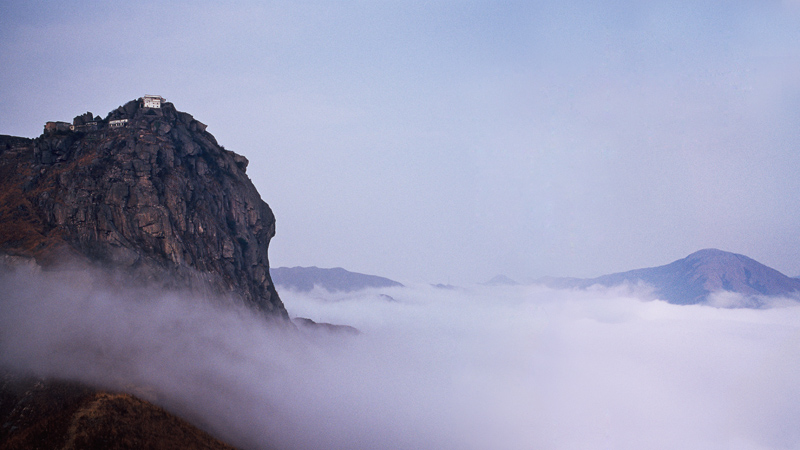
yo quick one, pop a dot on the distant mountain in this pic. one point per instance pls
(690, 280)
(304, 279)
(501, 280)
(303, 323)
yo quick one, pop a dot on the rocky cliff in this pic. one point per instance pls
(145, 192)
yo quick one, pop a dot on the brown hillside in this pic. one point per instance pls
(36, 414)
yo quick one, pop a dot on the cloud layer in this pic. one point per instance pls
(478, 368)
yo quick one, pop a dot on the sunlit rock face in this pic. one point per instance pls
(145, 191)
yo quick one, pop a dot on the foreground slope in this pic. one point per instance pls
(146, 192)
(59, 415)
(690, 280)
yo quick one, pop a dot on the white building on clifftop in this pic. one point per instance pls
(153, 101)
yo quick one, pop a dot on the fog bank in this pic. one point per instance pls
(479, 368)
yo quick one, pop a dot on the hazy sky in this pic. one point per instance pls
(452, 141)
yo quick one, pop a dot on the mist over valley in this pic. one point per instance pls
(511, 367)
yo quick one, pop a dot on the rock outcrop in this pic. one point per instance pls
(146, 192)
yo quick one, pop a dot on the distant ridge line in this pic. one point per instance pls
(337, 279)
(692, 279)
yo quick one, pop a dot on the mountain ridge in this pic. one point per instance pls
(692, 279)
(337, 279)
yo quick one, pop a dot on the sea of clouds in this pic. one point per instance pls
(483, 368)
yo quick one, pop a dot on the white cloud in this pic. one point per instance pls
(478, 368)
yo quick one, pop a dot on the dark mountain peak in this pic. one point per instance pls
(148, 191)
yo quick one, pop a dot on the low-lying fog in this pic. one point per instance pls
(476, 368)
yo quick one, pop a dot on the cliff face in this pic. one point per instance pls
(154, 197)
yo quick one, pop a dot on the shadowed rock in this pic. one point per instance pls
(154, 197)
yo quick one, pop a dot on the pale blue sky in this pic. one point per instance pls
(452, 141)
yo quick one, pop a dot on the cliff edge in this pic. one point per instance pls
(146, 192)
